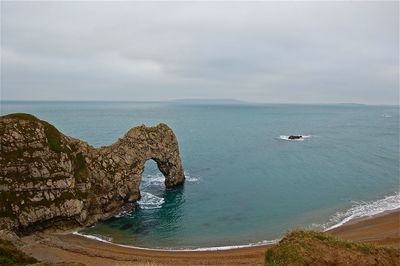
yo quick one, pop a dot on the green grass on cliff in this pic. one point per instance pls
(81, 172)
(317, 248)
(52, 134)
(53, 137)
(11, 256)
(55, 143)
(22, 116)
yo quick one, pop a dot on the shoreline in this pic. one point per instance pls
(366, 210)
(382, 229)
(345, 222)
(219, 248)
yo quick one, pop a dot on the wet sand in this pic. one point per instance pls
(382, 229)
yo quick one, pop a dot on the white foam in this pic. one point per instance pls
(363, 209)
(358, 210)
(149, 201)
(94, 237)
(158, 179)
(386, 116)
(190, 178)
(121, 214)
(260, 243)
(284, 137)
(153, 180)
(108, 240)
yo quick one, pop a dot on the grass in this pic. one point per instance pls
(52, 134)
(81, 172)
(53, 137)
(302, 247)
(55, 143)
(22, 116)
(11, 256)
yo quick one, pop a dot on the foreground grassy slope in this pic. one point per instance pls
(10, 255)
(318, 248)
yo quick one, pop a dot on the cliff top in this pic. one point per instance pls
(301, 247)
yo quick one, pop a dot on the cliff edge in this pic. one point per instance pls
(48, 179)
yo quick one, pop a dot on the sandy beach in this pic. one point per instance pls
(382, 229)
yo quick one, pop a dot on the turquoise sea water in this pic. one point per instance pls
(245, 182)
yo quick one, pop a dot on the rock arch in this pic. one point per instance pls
(141, 144)
(47, 178)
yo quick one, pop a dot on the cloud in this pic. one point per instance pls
(258, 51)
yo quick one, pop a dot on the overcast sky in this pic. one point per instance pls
(292, 52)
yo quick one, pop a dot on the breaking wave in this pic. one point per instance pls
(109, 241)
(358, 210)
(363, 209)
(149, 201)
(95, 237)
(158, 180)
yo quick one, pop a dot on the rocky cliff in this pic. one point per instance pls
(48, 179)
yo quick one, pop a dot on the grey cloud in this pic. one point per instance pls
(258, 51)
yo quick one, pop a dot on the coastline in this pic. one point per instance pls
(357, 212)
(381, 229)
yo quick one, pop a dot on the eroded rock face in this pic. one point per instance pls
(48, 179)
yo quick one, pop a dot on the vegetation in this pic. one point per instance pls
(23, 199)
(53, 137)
(81, 172)
(52, 133)
(317, 248)
(11, 256)
(58, 264)
(23, 116)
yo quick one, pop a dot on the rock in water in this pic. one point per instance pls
(295, 137)
(48, 179)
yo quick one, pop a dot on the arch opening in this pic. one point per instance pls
(152, 188)
(151, 175)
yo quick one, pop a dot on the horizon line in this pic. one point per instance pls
(193, 101)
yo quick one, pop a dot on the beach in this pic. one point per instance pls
(381, 229)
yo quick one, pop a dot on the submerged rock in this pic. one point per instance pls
(51, 180)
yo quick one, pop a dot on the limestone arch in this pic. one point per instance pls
(143, 143)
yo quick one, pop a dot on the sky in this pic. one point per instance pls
(273, 52)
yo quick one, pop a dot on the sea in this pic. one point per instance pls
(246, 182)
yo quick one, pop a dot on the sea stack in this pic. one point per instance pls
(48, 179)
